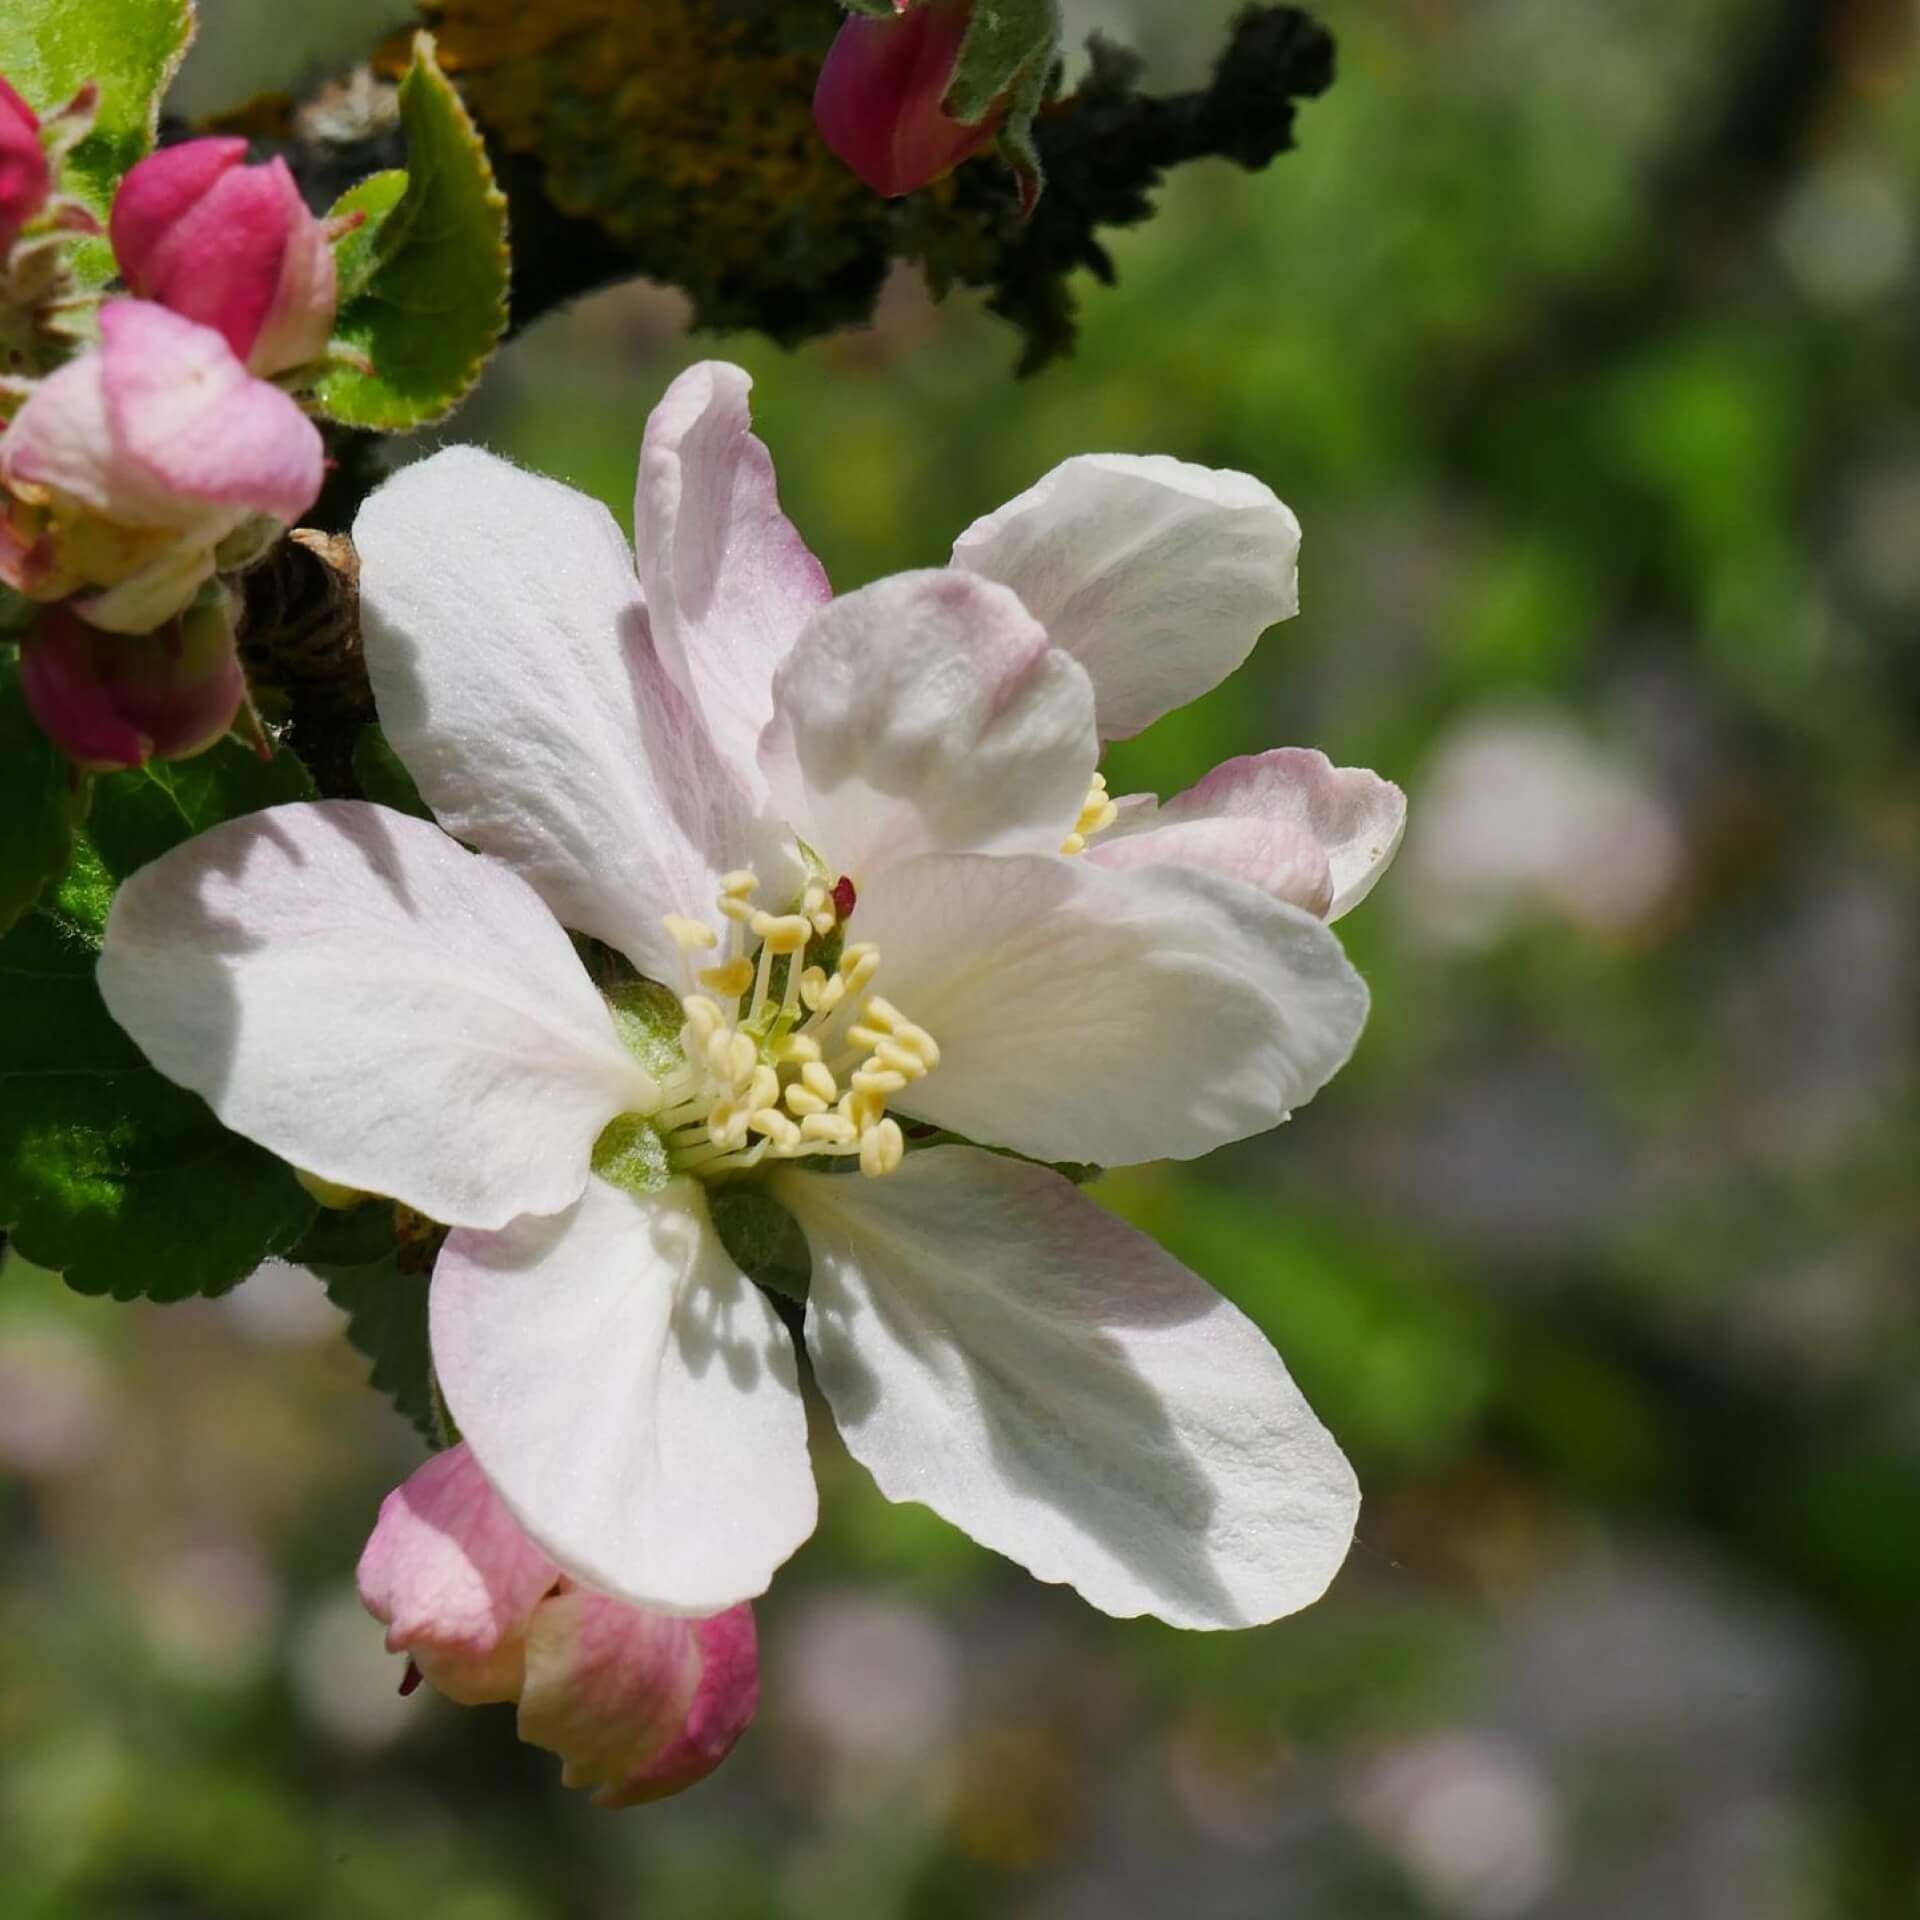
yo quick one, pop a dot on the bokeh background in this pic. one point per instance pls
(1583, 340)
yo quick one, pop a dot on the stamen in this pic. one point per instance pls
(1097, 814)
(882, 1148)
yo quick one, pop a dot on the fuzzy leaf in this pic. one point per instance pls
(383, 775)
(386, 1311)
(42, 800)
(50, 48)
(435, 305)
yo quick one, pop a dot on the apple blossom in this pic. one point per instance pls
(638, 1705)
(126, 469)
(231, 246)
(112, 700)
(25, 177)
(878, 100)
(852, 850)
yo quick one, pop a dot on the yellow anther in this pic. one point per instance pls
(858, 964)
(803, 1100)
(776, 1126)
(704, 1018)
(835, 1128)
(882, 1148)
(727, 1124)
(865, 1036)
(783, 932)
(824, 920)
(818, 1080)
(1074, 843)
(689, 935)
(882, 1081)
(1097, 813)
(813, 982)
(881, 1013)
(738, 910)
(920, 1040)
(764, 1088)
(798, 1049)
(741, 884)
(890, 1053)
(862, 1108)
(733, 979)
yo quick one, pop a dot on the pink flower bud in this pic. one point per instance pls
(877, 103)
(231, 246)
(127, 468)
(111, 700)
(25, 179)
(637, 1704)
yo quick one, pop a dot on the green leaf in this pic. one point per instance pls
(109, 1173)
(42, 800)
(435, 306)
(762, 1239)
(386, 1311)
(359, 253)
(49, 49)
(137, 815)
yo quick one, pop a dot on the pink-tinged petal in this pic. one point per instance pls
(1357, 818)
(1088, 1014)
(631, 1394)
(1158, 576)
(877, 101)
(639, 1705)
(728, 581)
(928, 713)
(454, 1580)
(114, 700)
(996, 1346)
(157, 193)
(25, 178)
(516, 677)
(362, 996)
(187, 411)
(1273, 855)
(299, 322)
(153, 593)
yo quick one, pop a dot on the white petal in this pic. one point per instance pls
(511, 661)
(728, 580)
(1356, 818)
(1086, 1014)
(363, 997)
(1274, 855)
(1157, 575)
(999, 1348)
(927, 712)
(633, 1398)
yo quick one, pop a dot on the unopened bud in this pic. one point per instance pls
(111, 700)
(25, 177)
(878, 100)
(229, 245)
(637, 1704)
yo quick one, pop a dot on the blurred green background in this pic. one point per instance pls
(1583, 340)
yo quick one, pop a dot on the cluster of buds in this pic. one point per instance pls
(163, 453)
(638, 1705)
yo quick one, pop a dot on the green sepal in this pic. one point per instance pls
(361, 251)
(762, 1238)
(109, 1173)
(433, 309)
(49, 49)
(386, 1309)
(348, 1237)
(1009, 44)
(43, 799)
(383, 775)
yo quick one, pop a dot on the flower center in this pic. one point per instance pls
(785, 1057)
(1097, 814)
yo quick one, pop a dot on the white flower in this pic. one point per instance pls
(777, 802)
